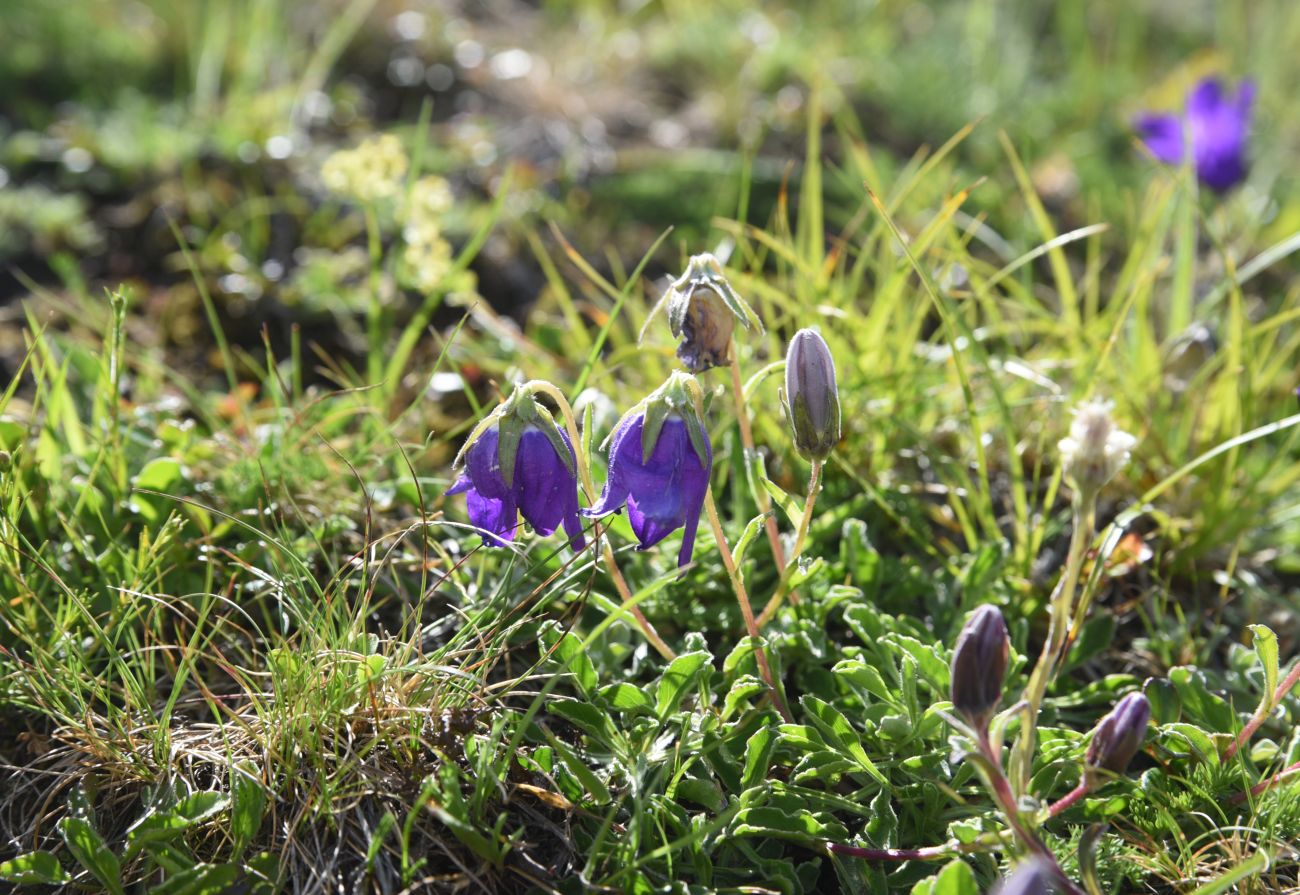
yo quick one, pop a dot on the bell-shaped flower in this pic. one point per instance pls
(703, 309)
(1216, 125)
(979, 665)
(519, 462)
(812, 398)
(1118, 736)
(659, 464)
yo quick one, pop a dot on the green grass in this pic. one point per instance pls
(246, 641)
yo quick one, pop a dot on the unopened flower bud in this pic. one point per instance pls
(979, 664)
(702, 311)
(1032, 877)
(812, 398)
(1118, 736)
(1096, 449)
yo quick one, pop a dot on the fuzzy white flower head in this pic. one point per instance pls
(1096, 449)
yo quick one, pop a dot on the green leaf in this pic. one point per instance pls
(758, 757)
(201, 879)
(595, 788)
(747, 537)
(838, 732)
(682, 674)
(567, 650)
(1265, 643)
(34, 868)
(954, 879)
(625, 697)
(164, 826)
(248, 804)
(91, 853)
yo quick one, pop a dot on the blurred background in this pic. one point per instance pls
(614, 119)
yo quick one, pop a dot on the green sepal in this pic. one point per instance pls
(656, 414)
(513, 417)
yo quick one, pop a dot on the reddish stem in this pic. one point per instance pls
(1069, 798)
(1263, 785)
(930, 853)
(1293, 677)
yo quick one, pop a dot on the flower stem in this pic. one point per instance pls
(588, 486)
(1287, 772)
(742, 597)
(374, 308)
(747, 442)
(814, 486)
(1262, 713)
(1069, 798)
(1060, 612)
(929, 853)
(1000, 787)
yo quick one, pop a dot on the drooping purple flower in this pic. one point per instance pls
(522, 472)
(1217, 125)
(661, 477)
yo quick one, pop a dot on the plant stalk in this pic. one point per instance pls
(747, 442)
(814, 486)
(746, 610)
(1022, 753)
(1262, 713)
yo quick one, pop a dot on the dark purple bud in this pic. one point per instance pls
(659, 464)
(1216, 124)
(1032, 877)
(520, 463)
(812, 398)
(979, 664)
(1119, 735)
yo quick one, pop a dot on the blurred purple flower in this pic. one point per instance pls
(543, 487)
(663, 487)
(1216, 123)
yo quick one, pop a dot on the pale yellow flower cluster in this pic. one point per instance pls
(427, 255)
(371, 172)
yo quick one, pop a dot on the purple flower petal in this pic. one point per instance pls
(547, 492)
(483, 466)
(662, 493)
(498, 519)
(1219, 126)
(1163, 136)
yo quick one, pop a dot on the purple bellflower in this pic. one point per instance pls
(1216, 125)
(518, 461)
(659, 464)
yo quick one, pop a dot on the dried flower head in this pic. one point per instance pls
(811, 395)
(1096, 449)
(1118, 736)
(702, 312)
(1216, 125)
(979, 665)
